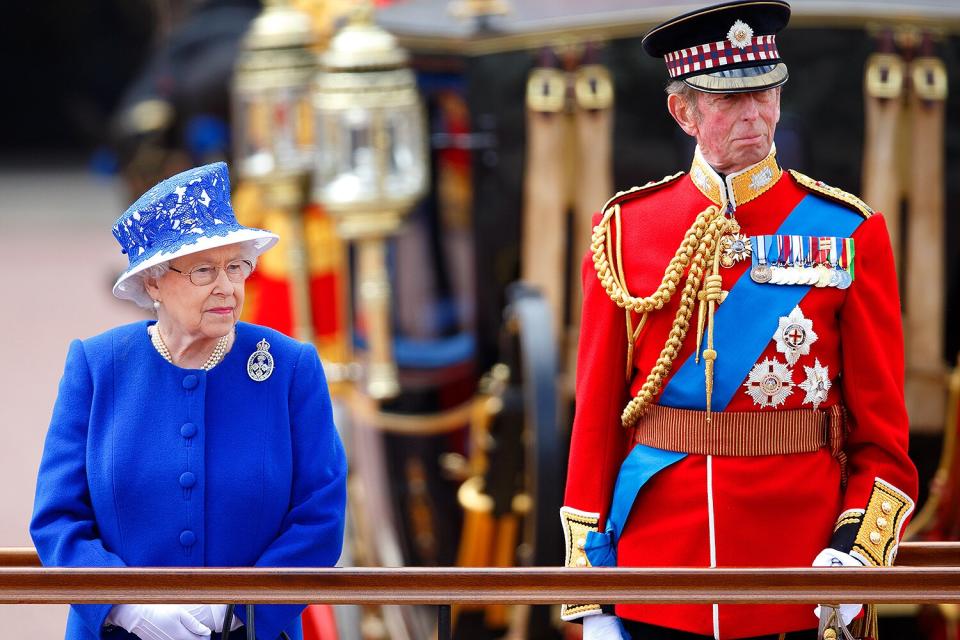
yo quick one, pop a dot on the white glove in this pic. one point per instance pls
(833, 558)
(211, 615)
(158, 621)
(602, 627)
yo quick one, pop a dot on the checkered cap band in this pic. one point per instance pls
(716, 56)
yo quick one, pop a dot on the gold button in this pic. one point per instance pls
(581, 543)
(886, 506)
(881, 523)
(829, 634)
(875, 537)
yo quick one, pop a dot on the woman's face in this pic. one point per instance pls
(208, 310)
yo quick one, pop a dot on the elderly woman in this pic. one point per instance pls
(194, 440)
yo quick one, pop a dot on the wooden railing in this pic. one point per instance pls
(910, 554)
(926, 573)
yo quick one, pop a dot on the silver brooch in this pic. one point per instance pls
(794, 335)
(260, 363)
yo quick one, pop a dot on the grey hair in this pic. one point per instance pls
(687, 93)
(248, 251)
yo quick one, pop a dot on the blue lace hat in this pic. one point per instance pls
(185, 214)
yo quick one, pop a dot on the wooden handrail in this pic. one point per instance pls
(910, 554)
(407, 586)
(934, 579)
(928, 554)
(19, 557)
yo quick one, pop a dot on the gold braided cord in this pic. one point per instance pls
(612, 278)
(707, 229)
(866, 626)
(712, 292)
(632, 335)
(711, 295)
(620, 279)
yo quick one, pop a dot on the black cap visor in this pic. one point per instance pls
(740, 80)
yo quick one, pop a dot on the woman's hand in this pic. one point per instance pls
(159, 621)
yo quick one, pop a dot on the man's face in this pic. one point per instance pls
(735, 130)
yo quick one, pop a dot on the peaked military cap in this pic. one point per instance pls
(724, 48)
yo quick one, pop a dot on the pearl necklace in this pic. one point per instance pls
(218, 351)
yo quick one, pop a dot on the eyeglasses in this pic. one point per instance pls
(204, 274)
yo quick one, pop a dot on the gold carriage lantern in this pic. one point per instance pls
(371, 166)
(273, 128)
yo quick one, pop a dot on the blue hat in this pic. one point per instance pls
(185, 214)
(724, 48)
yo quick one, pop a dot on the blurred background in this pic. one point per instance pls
(431, 166)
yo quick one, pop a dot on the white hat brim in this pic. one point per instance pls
(128, 289)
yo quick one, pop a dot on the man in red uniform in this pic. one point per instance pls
(740, 372)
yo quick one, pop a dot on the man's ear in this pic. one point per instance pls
(683, 112)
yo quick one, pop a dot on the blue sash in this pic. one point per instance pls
(743, 327)
(642, 464)
(746, 321)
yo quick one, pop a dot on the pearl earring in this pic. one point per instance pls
(156, 305)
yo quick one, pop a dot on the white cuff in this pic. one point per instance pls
(602, 627)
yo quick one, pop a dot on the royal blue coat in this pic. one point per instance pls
(147, 464)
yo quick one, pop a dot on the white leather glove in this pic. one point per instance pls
(602, 627)
(833, 558)
(158, 621)
(211, 615)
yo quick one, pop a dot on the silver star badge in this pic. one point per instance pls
(794, 336)
(817, 384)
(770, 383)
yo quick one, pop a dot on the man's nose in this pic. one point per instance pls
(751, 109)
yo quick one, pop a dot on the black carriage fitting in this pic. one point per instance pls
(529, 313)
(443, 622)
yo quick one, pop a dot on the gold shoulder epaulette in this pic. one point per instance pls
(833, 193)
(620, 196)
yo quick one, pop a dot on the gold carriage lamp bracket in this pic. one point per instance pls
(547, 90)
(929, 78)
(885, 75)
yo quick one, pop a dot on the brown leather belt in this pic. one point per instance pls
(743, 433)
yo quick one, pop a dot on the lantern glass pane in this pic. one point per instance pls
(345, 171)
(274, 136)
(369, 156)
(406, 164)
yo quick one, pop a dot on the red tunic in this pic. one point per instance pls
(729, 511)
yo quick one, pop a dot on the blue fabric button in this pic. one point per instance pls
(187, 480)
(188, 430)
(190, 381)
(187, 538)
